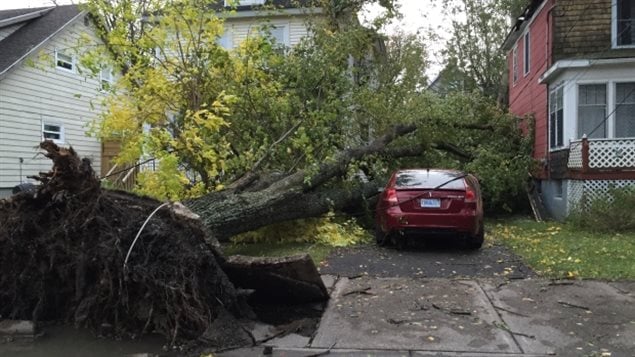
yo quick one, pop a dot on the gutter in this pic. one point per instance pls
(248, 14)
(40, 45)
(25, 17)
(563, 65)
(233, 14)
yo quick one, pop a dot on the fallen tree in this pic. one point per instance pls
(68, 253)
(222, 122)
(239, 209)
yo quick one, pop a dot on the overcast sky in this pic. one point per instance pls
(418, 15)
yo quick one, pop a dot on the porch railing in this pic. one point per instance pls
(601, 154)
(125, 177)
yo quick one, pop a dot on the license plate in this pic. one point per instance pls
(431, 203)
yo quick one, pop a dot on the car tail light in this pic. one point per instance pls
(391, 196)
(470, 194)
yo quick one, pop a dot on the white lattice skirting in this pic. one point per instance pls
(611, 153)
(592, 189)
(575, 155)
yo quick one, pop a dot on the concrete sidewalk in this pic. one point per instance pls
(485, 317)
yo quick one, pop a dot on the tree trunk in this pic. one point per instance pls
(228, 213)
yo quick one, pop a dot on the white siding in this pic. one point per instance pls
(241, 28)
(6, 31)
(33, 94)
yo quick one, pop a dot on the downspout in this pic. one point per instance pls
(549, 54)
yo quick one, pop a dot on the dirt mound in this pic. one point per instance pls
(62, 254)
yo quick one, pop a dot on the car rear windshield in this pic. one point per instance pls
(430, 179)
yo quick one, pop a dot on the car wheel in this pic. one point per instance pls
(476, 241)
(381, 238)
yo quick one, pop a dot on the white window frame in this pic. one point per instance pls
(102, 79)
(72, 62)
(60, 132)
(559, 87)
(614, 104)
(285, 34)
(244, 2)
(261, 28)
(607, 107)
(614, 34)
(527, 53)
(515, 64)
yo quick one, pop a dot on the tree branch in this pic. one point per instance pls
(341, 161)
(453, 149)
(487, 127)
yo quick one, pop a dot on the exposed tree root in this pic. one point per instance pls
(62, 252)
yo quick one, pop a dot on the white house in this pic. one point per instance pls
(44, 94)
(286, 20)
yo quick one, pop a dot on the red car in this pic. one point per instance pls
(430, 201)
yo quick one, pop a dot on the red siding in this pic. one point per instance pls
(527, 96)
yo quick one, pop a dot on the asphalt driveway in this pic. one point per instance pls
(443, 258)
(441, 300)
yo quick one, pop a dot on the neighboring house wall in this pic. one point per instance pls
(583, 87)
(292, 28)
(38, 92)
(527, 96)
(288, 26)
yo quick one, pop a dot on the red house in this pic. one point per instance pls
(572, 67)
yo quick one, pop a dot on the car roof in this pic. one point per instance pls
(447, 171)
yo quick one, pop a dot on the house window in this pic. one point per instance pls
(623, 22)
(64, 61)
(225, 41)
(592, 110)
(53, 131)
(279, 35)
(106, 79)
(556, 112)
(558, 190)
(527, 53)
(244, 2)
(625, 110)
(515, 64)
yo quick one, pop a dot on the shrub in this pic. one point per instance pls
(327, 230)
(612, 212)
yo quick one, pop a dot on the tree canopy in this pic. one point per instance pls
(220, 119)
(474, 59)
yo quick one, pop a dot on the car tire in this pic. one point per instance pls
(476, 241)
(381, 238)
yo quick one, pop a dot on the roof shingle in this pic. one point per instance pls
(33, 33)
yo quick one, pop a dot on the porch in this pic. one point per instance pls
(586, 170)
(594, 159)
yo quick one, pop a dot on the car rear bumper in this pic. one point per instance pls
(467, 221)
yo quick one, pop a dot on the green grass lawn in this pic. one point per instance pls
(318, 252)
(557, 250)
